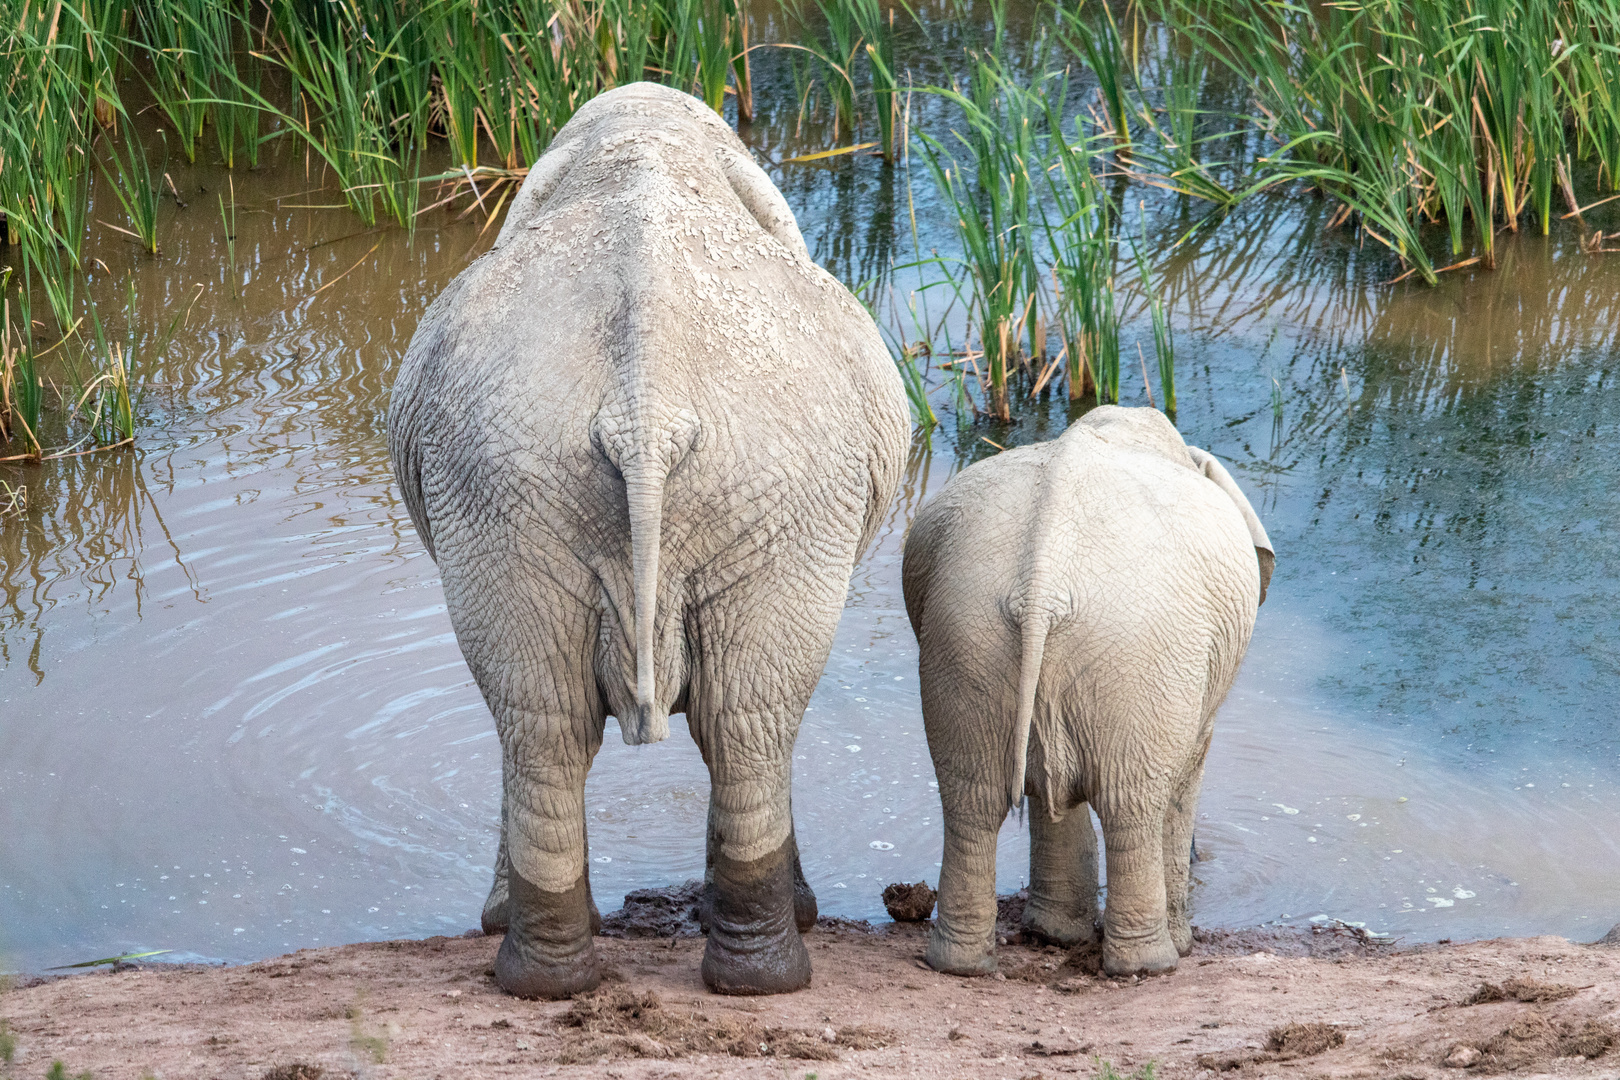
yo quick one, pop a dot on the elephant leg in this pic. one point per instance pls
(1178, 830)
(963, 938)
(1136, 935)
(547, 951)
(1062, 904)
(495, 919)
(754, 945)
(805, 908)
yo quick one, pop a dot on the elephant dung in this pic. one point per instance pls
(909, 903)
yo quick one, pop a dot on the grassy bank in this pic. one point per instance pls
(1432, 123)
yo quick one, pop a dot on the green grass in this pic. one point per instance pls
(876, 27)
(1164, 349)
(130, 178)
(1411, 112)
(1107, 1071)
(1002, 136)
(1079, 235)
(1436, 124)
(837, 49)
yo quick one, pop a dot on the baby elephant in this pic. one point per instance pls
(1082, 607)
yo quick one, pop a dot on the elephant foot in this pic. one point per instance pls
(754, 945)
(1145, 955)
(547, 952)
(1058, 927)
(952, 956)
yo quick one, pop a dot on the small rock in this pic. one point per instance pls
(828, 1035)
(522, 1045)
(1462, 1056)
(473, 933)
(452, 993)
(999, 977)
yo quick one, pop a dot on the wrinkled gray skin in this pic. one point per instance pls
(1082, 606)
(645, 439)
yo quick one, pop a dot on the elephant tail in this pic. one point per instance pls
(644, 487)
(1033, 628)
(645, 449)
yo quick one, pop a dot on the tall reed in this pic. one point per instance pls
(130, 178)
(877, 32)
(1418, 111)
(837, 51)
(1080, 242)
(1164, 348)
(22, 392)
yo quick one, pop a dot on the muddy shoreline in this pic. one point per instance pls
(1326, 1001)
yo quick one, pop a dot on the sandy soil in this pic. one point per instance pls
(1286, 1003)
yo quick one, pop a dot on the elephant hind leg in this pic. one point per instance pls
(1178, 833)
(754, 945)
(550, 918)
(1062, 906)
(547, 951)
(963, 938)
(749, 909)
(1136, 936)
(496, 916)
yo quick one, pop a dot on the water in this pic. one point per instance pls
(234, 721)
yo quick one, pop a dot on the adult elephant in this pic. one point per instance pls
(646, 438)
(1082, 606)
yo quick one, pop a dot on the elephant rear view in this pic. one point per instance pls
(1082, 606)
(645, 438)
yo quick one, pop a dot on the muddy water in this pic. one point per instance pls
(233, 718)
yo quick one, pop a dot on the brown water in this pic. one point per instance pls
(233, 718)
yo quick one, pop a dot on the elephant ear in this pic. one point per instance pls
(1206, 463)
(760, 197)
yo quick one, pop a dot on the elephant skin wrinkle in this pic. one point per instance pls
(431, 1008)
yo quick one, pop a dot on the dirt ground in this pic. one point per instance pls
(1276, 1003)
